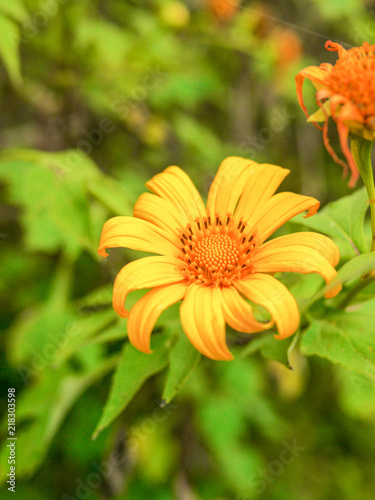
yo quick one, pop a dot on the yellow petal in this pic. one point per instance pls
(137, 234)
(321, 114)
(275, 297)
(239, 314)
(272, 258)
(144, 314)
(261, 185)
(158, 211)
(279, 209)
(144, 273)
(175, 185)
(318, 241)
(228, 184)
(203, 321)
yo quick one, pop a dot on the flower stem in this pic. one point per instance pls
(365, 281)
(361, 150)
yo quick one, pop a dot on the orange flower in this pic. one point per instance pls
(346, 92)
(224, 10)
(214, 257)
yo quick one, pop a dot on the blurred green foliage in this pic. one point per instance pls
(96, 97)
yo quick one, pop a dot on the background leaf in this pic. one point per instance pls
(15, 9)
(343, 221)
(9, 49)
(183, 358)
(55, 392)
(347, 338)
(133, 370)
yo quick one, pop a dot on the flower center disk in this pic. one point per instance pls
(353, 76)
(216, 251)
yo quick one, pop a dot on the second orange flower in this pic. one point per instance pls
(345, 92)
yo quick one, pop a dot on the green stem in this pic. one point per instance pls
(365, 281)
(361, 150)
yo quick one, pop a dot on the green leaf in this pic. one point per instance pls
(42, 408)
(224, 424)
(277, 350)
(269, 347)
(353, 269)
(183, 359)
(346, 338)
(254, 345)
(55, 212)
(355, 390)
(337, 10)
(133, 370)
(35, 337)
(242, 383)
(187, 90)
(111, 334)
(198, 136)
(14, 9)
(85, 328)
(111, 194)
(9, 49)
(343, 221)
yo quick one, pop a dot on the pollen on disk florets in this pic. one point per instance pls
(353, 76)
(216, 250)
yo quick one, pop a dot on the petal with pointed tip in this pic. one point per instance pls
(175, 185)
(300, 253)
(279, 209)
(144, 314)
(261, 185)
(239, 314)
(158, 211)
(144, 273)
(137, 234)
(269, 293)
(228, 184)
(203, 321)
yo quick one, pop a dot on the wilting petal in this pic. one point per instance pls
(158, 211)
(275, 297)
(305, 254)
(175, 185)
(239, 314)
(144, 314)
(228, 185)
(144, 273)
(203, 321)
(316, 75)
(261, 185)
(331, 150)
(343, 111)
(279, 209)
(137, 234)
(335, 47)
(347, 89)
(343, 132)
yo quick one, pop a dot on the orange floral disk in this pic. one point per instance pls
(346, 92)
(215, 257)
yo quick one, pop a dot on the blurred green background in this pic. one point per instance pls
(97, 96)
